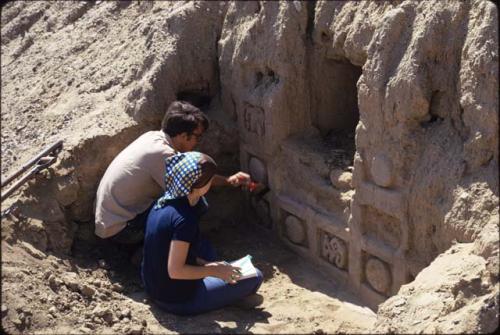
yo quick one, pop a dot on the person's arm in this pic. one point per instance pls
(201, 261)
(237, 179)
(178, 269)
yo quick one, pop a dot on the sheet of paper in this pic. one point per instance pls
(247, 268)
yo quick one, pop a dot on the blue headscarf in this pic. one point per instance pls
(182, 171)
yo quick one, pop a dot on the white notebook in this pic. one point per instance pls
(247, 268)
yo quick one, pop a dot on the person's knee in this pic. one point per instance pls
(258, 280)
(260, 276)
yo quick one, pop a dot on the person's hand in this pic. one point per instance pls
(239, 179)
(229, 274)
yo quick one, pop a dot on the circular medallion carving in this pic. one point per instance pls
(257, 170)
(381, 170)
(378, 275)
(294, 230)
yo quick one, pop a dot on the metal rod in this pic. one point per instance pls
(18, 183)
(55, 147)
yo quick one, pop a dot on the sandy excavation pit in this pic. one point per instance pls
(374, 124)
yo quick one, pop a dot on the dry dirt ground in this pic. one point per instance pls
(98, 291)
(97, 74)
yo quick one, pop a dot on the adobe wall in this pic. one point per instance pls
(375, 124)
(421, 79)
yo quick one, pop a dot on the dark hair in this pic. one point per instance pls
(208, 169)
(182, 117)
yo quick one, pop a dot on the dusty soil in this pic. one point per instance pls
(417, 79)
(99, 291)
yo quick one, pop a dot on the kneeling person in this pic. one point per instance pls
(135, 178)
(178, 269)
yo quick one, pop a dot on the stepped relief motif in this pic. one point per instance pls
(254, 119)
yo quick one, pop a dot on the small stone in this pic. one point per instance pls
(85, 330)
(71, 280)
(89, 325)
(135, 330)
(341, 179)
(32, 250)
(87, 290)
(399, 302)
(52, 310)
(105, 313)
(54, 282)
(103, 264)
(17, 321)
(125, 313)
(117, 287)
(99, 311)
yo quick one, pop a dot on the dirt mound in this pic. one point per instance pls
(375, 125)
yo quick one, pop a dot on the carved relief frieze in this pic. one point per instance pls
(258, 170)
(378, 275)
(334, 250)
(254, 119)
(295, 230)
(381, 170)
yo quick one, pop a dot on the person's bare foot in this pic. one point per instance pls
(249, 302)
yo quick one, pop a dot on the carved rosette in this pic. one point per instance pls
(334, 250)
(295, 231)
(258, 170)
(378, 275)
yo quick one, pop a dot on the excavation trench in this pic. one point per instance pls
(377, 159)
(238, 223)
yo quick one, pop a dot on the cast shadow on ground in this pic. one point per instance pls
(236, 319)
(271, 255)
(120, 270)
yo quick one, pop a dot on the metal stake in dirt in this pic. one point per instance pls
(41, 161)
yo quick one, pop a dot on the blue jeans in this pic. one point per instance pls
(213, 293)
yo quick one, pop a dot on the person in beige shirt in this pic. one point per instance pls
(135, 178)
